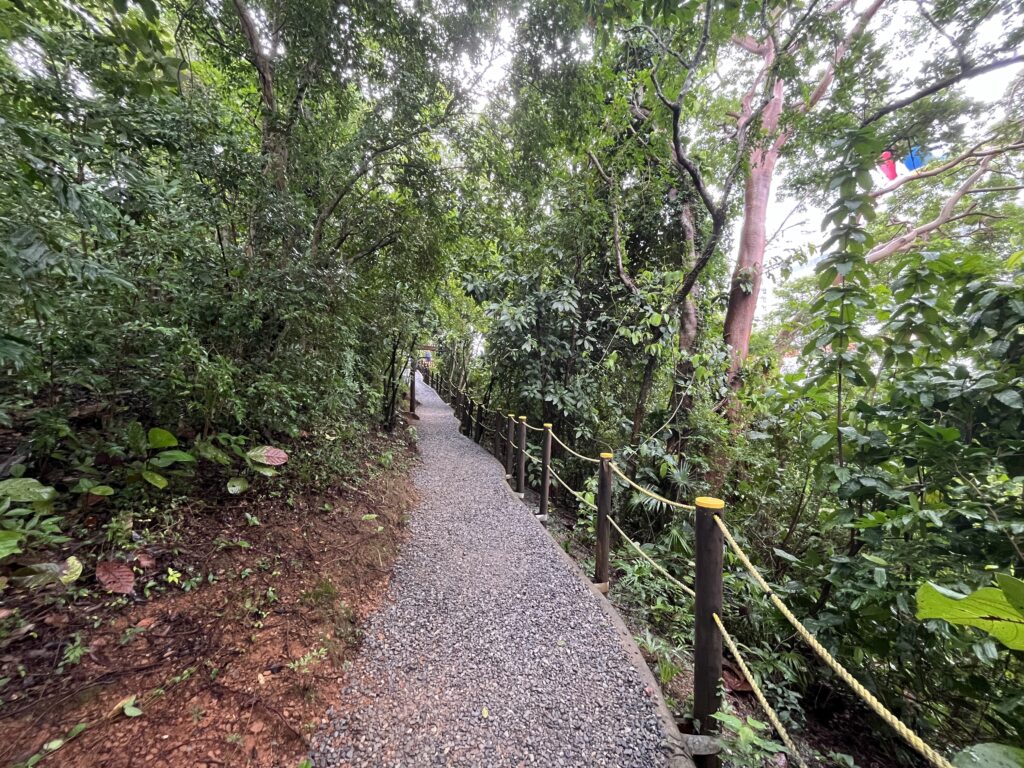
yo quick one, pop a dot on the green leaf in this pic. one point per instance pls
(101, 490)
(174, 456)
(1013, 589)
(785, 555)
(237, 485)
(821, 440)
(1010, 398)
(986, 608)
(265, 471)
(211, 452)
(990, 756)
(72, 570)
(38, 575)
(132, 711)
(9, 543)
(160, 438)
(26, 489)
(154, 478)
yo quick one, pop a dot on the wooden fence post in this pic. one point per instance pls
(707, 646)
(457, 406)
(545, 472)
(479, 422)
(497, 435)
(412, 390)
(521, 468)
(602, 568)
(467, 417)
(510, 436)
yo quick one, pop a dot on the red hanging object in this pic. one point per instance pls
(888, 165)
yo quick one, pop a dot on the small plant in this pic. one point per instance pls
(305, 663)
(745, 742)
(74, 652)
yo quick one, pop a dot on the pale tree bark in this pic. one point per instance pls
(948, 214)
(748, 273)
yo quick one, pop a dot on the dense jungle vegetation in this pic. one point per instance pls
(225, 227)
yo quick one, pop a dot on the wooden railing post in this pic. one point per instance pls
(479, 422)
(467, 417)
(602, 568)
(707, 646)
(510, 437)
(412, 389)
(545, 471)
(497, 435)
(457, 406)
(521, 468)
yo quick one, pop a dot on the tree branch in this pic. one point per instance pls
(975, 151)
(616, 235)
(259, 59)
(939, 85)
(906, 240)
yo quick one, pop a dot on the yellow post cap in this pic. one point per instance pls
(549, 425)
(607, 455)
(709, 502)
(522, 418)
(511, 415)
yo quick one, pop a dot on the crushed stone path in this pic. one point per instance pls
(491, 651)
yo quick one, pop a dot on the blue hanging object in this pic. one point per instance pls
(914, 160)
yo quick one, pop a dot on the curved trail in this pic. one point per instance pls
(492, 651)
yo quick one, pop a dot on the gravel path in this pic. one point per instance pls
(492, 652)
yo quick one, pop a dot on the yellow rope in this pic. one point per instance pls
(570, 450)
(657, 566)
(531, 458)
(562, 482)
(915, 741)
(772, 717)
(530, 426)
(637, 486)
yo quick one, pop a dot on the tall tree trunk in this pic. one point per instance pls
(640, 411)
(746, 277)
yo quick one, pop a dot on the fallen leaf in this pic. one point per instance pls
(115, 577)
(145, 560)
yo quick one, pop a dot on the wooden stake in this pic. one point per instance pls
(545, 471)
(707, 647)
(602, 567)
(521, 469)
(510, 434)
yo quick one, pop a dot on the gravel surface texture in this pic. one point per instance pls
(491, 652)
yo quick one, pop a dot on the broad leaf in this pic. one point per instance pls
(267, 454)
(238, 485)
(990, 756)
(154, 478)
(9, 543)
(160, 438)
(986, 608)
(26, 489)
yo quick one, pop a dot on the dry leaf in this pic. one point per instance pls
(115, 577)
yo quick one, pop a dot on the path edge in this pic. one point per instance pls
(674, 737)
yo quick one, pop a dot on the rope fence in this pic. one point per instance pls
(647, 492)
(654, 563)
(773, 717)
(712, 535)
